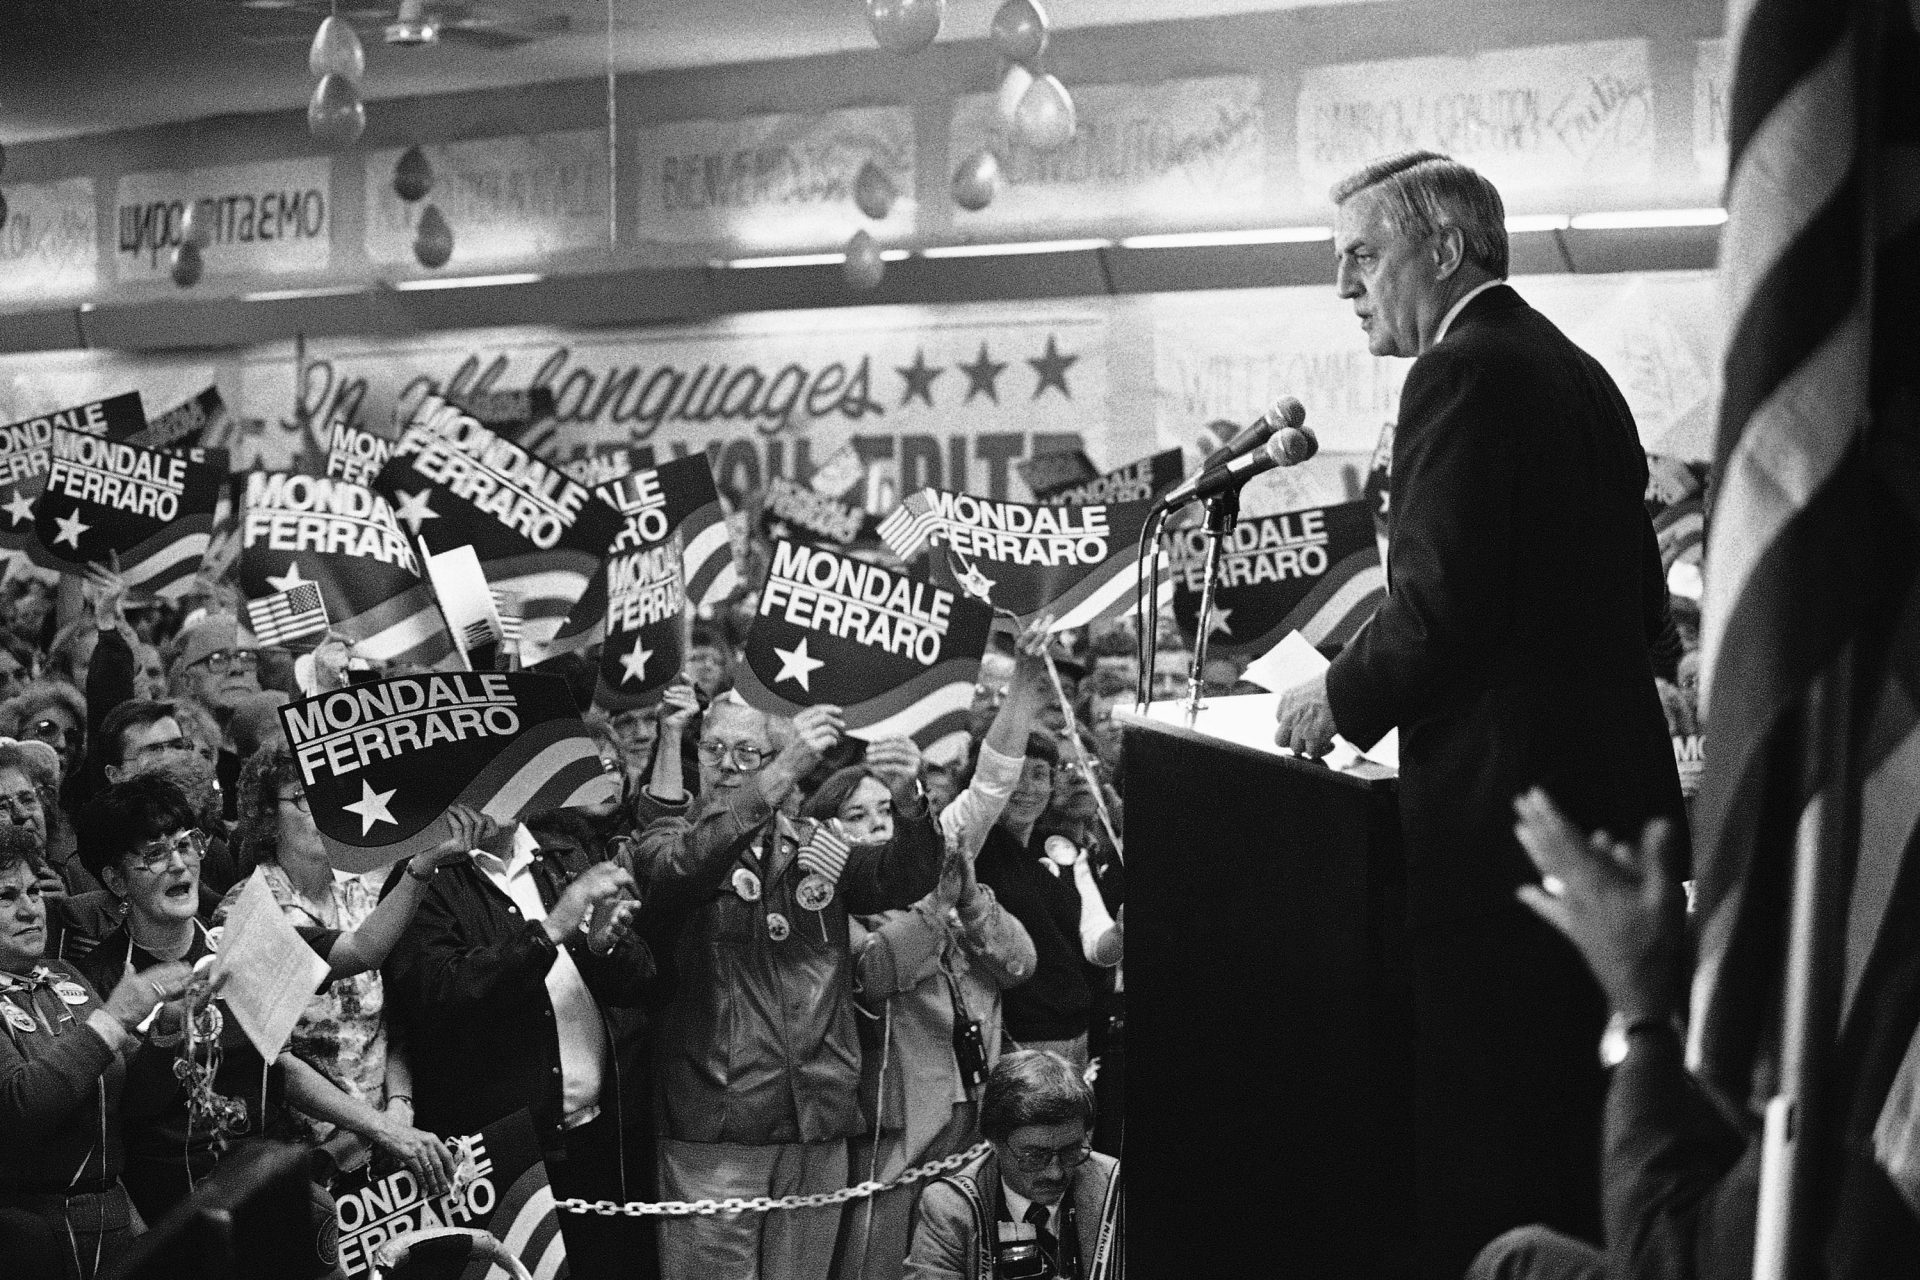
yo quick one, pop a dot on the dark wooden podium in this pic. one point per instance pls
(1269, 1016)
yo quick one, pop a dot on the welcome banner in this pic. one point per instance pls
(105, 498)
(344, 538)
(383, 762)
(897, 654)
(539, 534)
(1317, 572)
(1075, 562)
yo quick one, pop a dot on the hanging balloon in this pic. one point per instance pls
(196, 224)
(873, 191)
(976, 180)
(336, 115)
(336, 51)
(1020, 30)
(864, 266)
(188, 263)
(905, 26)
(412, 175)
(1013, 87)
(432, 238)
(1045, 119)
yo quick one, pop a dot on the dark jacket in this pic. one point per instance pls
(51, 1121)
(1055, 1003)
(1524, 595)
(956, 1226)
(758, 1045)
(466, 986)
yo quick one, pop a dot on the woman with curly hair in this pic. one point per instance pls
(49, 711)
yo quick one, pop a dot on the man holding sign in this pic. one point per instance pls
(759, 1060)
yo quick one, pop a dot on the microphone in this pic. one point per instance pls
(1291, 445)
(1285, 412)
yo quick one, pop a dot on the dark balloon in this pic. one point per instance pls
(905, 26)
(864, 267)
(433, 238)
(1020, 31)
(336, 115)
(873, 191)
(412, 175)
(976, 181)
(188, 263)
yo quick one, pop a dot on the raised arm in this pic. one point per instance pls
(974, 811)
(367, 947)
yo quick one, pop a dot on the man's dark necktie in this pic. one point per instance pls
(1037, 1214)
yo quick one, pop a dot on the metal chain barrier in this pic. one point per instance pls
(766, 1204)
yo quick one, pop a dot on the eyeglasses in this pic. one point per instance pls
(298, 799)
(48, 730)
(1034, 1159)
(171, 744)
(744, 756)
(22, 804)
(156, 856)
(221, 661)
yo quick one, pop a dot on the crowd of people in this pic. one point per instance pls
(784, 962)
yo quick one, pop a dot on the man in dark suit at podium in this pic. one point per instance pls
(1525, 594)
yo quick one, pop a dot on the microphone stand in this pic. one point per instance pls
(1223, 513)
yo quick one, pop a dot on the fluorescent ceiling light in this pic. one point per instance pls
(1204, 239)
(1000, 250)
(318, 291)
(469, 282)
(1522, 223)
(801, 260)
(1635, 218)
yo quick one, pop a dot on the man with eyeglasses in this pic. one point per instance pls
(758, 1056)
(1032, 1207)
(140, 737)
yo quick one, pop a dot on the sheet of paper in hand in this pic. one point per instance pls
(1075, 562)
(674, 505)
(26, 455)
(899, 655)
(383, 762)
(271, 971)
(1316, 572)
(501, 1188)
(345, 538)
(538, 533)
(1136, 482)
(106, 497)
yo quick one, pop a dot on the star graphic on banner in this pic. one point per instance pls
(1052, 368)
(413, 507)
(977, 584)
(288, 580)
(633, 664)
(919, 378)
(797, 665)
(19, 506)
(371, 806)
(1219, 623)
(71, 527)
(981, 375)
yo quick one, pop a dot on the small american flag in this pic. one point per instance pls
(507, 605)
(907, 531)
(293, 614)
(825, 852)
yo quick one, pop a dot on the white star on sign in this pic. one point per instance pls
(413, 507)
(633, 664)
(288, 580)
(372, 807)
(1219, 622)
(976, 583)
(19, 506)
(797, 665)
(70, 529)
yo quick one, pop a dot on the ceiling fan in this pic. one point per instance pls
(416, 22)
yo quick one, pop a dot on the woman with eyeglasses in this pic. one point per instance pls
(52, 712)
(61, 1077)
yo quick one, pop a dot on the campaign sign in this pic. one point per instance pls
(345, 538)
(897, 654)
(355, 455)
(643, 581)
(1135, 482)
(1317, 572)
(502, 1190)
(26, 455)
(538, 533)
(1075, 562)
(184, 425)
(382, 762)
(789, 510)
(106, 497)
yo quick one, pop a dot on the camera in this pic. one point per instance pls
(970, 1052)
(1021, 1260)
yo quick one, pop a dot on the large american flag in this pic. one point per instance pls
(1811, 629)
(297, 613)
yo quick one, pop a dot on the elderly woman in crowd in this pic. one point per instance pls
(930, 976)
(53, 712)
(61, 1076)
(343, 1033)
